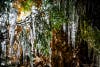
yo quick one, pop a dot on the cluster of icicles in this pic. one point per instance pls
(10, 18)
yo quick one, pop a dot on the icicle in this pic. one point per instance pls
(32, 30)
(72, 25)
(73, 34)
(33, 34)
(12, 22)
(64, 27)
(3, 31)
(3, 46)
(69, 33)
(58, 3)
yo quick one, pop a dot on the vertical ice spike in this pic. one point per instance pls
(32, 32)
(72, 25)
(12, 23)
